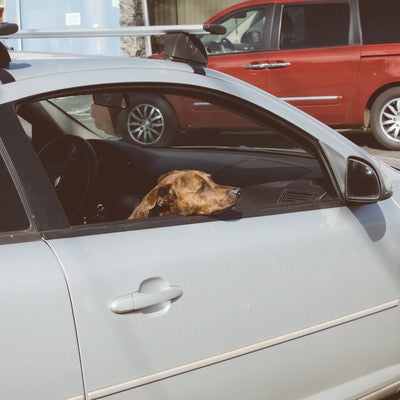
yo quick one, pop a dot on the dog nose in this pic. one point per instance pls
(236, 192)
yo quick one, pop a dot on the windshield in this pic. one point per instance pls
(80, 108)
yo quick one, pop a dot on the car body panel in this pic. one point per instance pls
(38, 333)
(321, 82)
(243, 295)
(377, 70)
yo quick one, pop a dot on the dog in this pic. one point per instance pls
(186, 192)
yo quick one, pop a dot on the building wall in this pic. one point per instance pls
(164, 12)
(70, 14)
(66, 14)
(195, 11)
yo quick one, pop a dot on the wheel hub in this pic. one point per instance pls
(390, 119)
(146, 124)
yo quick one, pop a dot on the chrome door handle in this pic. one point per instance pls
(138, 301)
(274, 65)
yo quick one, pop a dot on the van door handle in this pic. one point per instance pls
(138, 301)
(268, 65)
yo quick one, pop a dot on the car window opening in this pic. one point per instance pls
(105, 152)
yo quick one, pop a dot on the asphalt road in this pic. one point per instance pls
(366, 140)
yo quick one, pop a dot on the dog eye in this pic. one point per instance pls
(203, 187)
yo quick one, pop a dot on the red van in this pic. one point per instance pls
(338, 60)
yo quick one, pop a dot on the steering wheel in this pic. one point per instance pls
(227, 44)
(71, 165)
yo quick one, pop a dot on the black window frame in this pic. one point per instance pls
(53, 224)
(14, 218)
(29, 179)
(354, 25)
(16, 207)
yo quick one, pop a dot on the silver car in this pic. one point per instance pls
(294, 293)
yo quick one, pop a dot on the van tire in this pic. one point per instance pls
(385, 119)
(149, 120)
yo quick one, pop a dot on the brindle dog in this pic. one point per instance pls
(186, 192)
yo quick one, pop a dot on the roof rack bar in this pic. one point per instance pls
(115, 32)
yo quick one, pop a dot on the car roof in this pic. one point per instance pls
(35, 65)
(31, 74)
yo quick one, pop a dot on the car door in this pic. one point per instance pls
(247, 306)
(320, 59)
(39, 349)
(298, 299)
(311, 59)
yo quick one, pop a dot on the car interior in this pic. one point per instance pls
(101, 176)
(244, 33)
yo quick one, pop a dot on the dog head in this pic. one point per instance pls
(186, 192)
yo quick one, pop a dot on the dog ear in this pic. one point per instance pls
(163, 176)
(159, 196)
(164, 195)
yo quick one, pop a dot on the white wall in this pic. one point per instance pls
(195, 11)
(186, 11)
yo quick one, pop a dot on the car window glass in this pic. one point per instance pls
(110, 149)
(314, 25)
(82, 108)
(244, 33)
(379, 21)
(12, 214)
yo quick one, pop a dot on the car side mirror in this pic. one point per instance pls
(363, 183)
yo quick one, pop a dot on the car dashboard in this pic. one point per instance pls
(126, 173)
